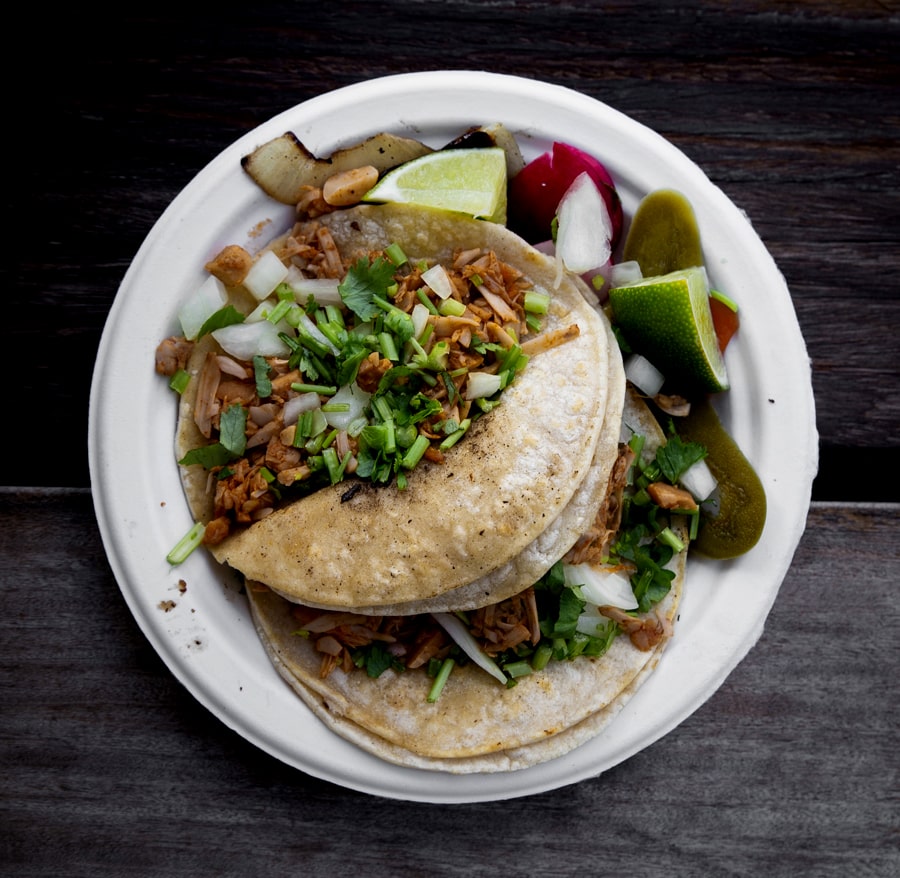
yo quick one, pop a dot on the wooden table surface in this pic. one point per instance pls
(110, 767)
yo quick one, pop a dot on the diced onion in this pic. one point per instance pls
(296, 405)
(265, 274)
(699, 481)
(584, 227)
(209, 297)
(247, 340)
(482, 384)
(643, 374)
(601, 586)
(323, 289)
(589, 620)
(419, 318)
(352, 395)
(468, 644)
(624, 273)
(437, 278)
(261, 311)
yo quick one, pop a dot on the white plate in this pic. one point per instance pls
(208, 641)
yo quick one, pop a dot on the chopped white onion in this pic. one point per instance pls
(247, 340)
(468, 644)
(323, 289)
(437, 278)
(624, 273)
(261, 311)
(601, 586)
(296, 405)
(643, 374)
(209, 297)
(699, 481)
(589, 620)
(481, 385)
(356, 398)
(584, 227)
(265, 274)
(419, 318)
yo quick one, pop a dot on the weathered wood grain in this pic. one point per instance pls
(791, 107)
(111, 768)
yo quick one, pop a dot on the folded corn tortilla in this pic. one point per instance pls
(465, 521)
(477, 725)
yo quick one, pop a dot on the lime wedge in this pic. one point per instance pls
(471, 181)
(668, 320)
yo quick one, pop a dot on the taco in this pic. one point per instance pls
(500, 506)
(477, 724)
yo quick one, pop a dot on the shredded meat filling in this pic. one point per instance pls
(593, 546)
(489, 291)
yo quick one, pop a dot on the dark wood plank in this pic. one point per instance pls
(791, 107)
(111, 768)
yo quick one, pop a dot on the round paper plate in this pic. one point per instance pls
(207, 638)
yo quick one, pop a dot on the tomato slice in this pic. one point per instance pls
(725, 321)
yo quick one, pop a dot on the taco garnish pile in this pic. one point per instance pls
(409, 430)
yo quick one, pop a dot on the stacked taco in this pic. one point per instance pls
(359, 588)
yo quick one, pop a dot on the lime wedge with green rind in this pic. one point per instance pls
(668, 320)
(471, 181)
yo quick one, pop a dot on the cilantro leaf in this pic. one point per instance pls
(261, 371)
(232, 424)
(364, 281)
(207, 456)
(226, 316)
(677, 456)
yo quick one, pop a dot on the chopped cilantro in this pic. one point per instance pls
(226, 316)
(364, 282)
(261, 371)
(677, 456)
(232, 424)
(207, 456)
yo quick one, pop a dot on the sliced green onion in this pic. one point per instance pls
(279, 312)
(180, 381)
(536, 302)
(452, 308)
(335, 407)
(324, 389)
(395, 253)
(186, 544)
(388, 347)
(423, 298)
(440, 680)
(334, 466)
(669, 538)
(456, 435)
(542, 656)
(518, 669)
(415, 452)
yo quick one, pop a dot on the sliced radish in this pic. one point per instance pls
(536, 190)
